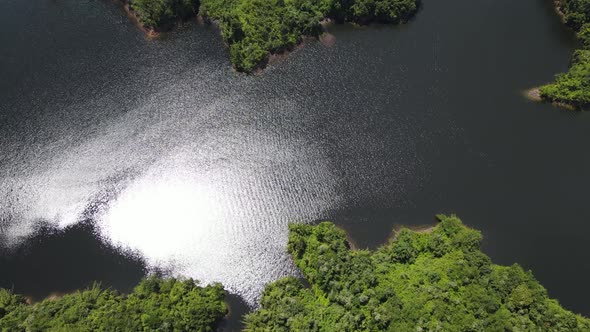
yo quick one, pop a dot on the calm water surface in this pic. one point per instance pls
(122, 154)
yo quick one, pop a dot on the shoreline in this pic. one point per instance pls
(352, 243)
(325, 38)
(282, 55)
(134, 17)
(557, 6)
(534, 95)
(426, 228)
(151, 33)
(51, 297)
(274, 56)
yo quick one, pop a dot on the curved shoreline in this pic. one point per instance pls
(534, 95)
(134, 17)
(150, 32)
(426, 228)
(252, 52)
(568, 90)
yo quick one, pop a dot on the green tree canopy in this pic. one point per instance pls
(254, 29)
(154, 305)
(159, 13)
(422, 281)
(573, 87)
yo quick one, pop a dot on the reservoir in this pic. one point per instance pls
(121, 154)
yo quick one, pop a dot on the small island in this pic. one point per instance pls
(255, 29)
(573, 88)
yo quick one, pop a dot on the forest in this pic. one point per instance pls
(573, 88)
(255, 29)
(155, 304)
(437, 280)
(162, 14)
(432, 280)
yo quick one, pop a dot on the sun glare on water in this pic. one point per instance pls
(165, 219)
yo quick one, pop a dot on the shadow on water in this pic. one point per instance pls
(31, 268)
(42, 264)
(238, 308)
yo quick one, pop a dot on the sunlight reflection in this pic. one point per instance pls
(163, 218)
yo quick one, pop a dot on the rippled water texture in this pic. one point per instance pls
(198, 169)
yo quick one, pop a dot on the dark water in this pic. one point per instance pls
(140, 153)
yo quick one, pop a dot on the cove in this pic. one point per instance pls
(198, 170)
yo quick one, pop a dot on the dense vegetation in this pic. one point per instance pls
(573, 87)
(422, 281)
(161, 14)
(435, 280)
(254, 29)
(154, 305)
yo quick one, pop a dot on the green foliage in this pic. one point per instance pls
(437, 280)
(576, 12)
(256, 28)
(573, 87)
(154, 305)
(158, 13)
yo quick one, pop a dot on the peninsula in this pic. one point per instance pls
(432, 280)
(573, 88)
(255, 29)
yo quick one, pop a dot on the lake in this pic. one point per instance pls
(121, 154)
